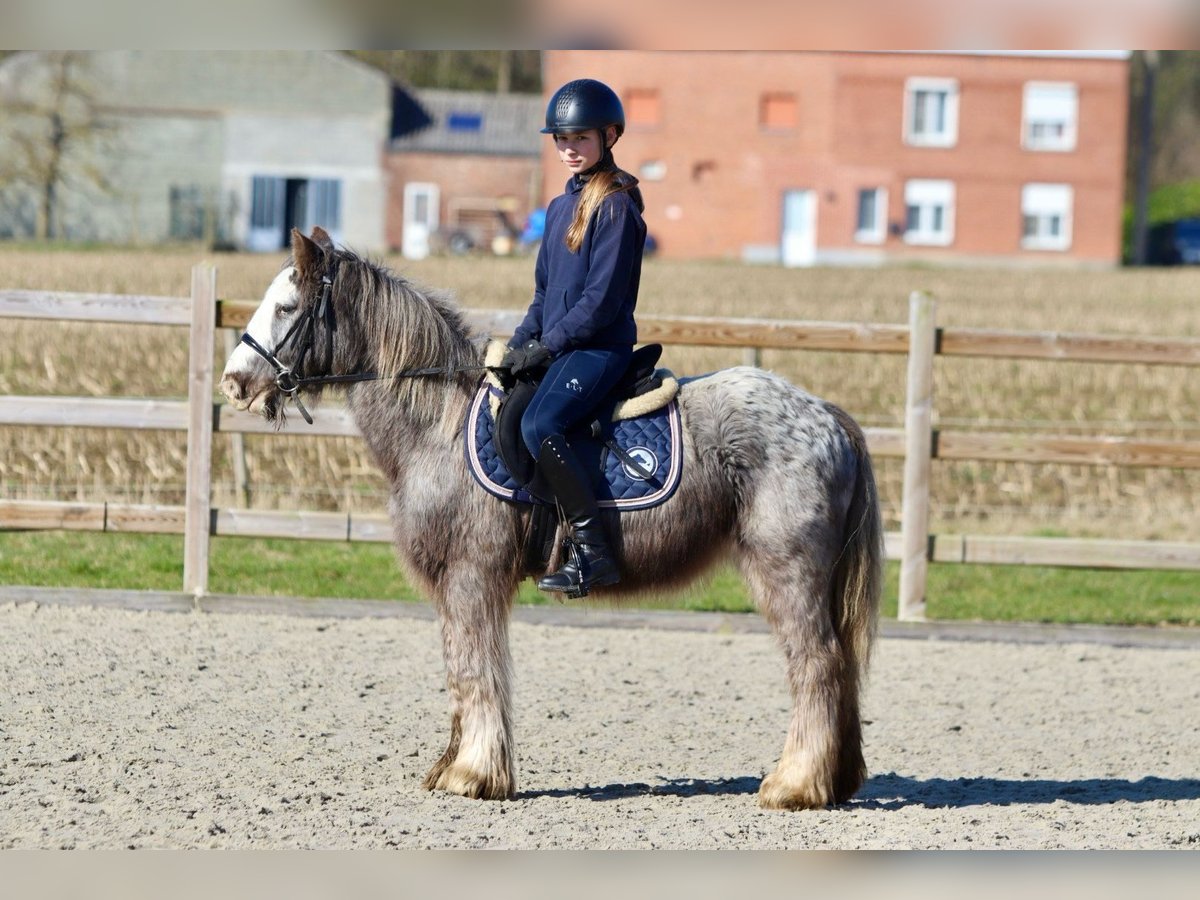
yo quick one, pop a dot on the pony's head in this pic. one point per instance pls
(290, 325)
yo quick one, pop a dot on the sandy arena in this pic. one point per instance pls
(155, 729)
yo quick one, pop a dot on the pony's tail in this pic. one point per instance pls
(857, 586)
(858, 576)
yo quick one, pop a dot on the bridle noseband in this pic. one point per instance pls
(304, 330)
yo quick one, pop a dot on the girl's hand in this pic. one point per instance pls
(530, 356)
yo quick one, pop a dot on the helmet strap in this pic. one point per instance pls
(605, 162)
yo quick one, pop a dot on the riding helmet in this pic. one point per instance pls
(582, 105)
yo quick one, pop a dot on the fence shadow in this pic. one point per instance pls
(892, 791)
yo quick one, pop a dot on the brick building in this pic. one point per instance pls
(231, 147)
(863, 157)
(469, 173)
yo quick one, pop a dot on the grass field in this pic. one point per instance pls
(369, 571)
(974, 497)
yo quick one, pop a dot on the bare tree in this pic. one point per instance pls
(51, 127)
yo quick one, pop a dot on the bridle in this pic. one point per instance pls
(303, 330)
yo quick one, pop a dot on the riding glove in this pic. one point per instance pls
(532, 355)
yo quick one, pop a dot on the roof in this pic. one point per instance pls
(476, 122)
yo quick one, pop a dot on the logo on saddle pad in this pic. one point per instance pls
(645, 459)
(574, 385)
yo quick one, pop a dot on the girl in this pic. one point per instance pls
(581, 319)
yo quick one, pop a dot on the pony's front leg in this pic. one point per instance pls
(478, 761)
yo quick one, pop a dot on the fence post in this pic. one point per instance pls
(197, 504)
(237, 441)
(918, 456)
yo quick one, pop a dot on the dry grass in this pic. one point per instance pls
(69, 359)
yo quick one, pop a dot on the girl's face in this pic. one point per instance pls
(579, 151)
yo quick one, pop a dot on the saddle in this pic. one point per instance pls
(632, 447)
(642, 389)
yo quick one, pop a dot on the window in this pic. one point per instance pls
(266, 202)
(929, 212)
(652, 170)
(199, 213)
(642, 108)
(931, 112)
(777, 112)
(324, 204)
(1046, 212)
(188, 211)
(465, 121)
(872, 216)
(1048, 120)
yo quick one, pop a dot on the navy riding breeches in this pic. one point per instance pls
(573, 388)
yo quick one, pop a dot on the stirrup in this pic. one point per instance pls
(576, 589)
(572, 571)
(580, 588)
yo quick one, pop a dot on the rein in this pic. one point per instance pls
(289, 383)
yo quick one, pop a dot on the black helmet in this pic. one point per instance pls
(582, 105)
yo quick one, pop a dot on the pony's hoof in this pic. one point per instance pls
(777, 792)
(466, 783)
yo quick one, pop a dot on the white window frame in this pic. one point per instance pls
(948, 137)
(878, 230)
(926, 194)
(1044, 201)
(652, 170)
(1067, 141)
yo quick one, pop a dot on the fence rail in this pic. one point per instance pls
(918, 442)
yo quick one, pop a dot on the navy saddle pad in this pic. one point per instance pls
(654, 440)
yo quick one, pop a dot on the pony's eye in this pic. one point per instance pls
(285, 309)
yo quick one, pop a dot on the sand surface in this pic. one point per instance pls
(150, 729)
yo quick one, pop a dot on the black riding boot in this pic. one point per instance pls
(590, 564)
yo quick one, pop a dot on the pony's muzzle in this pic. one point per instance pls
(234, 386)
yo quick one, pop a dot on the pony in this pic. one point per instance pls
(773, 478)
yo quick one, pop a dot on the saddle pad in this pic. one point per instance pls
(655, 440)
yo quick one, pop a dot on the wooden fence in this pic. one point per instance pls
(918, 443)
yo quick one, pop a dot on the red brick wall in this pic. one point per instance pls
(463, 176)
(725, 175)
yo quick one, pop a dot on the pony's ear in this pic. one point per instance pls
(308, 256)
(322, 238)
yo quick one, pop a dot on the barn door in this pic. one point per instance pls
(268, 204)
(799, 228)
(421, 201)
(322, 206)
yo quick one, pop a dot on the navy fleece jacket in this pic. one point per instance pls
(586, 299)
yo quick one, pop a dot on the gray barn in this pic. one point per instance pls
(228, 146)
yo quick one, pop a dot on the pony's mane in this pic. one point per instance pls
(404, 326)
(398, 326)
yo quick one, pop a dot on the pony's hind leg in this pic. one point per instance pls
(821, 762)
(478, 761)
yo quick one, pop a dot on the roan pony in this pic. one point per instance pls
(776, 479)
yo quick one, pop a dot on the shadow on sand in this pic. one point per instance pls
(892, 791)
(675, 787)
